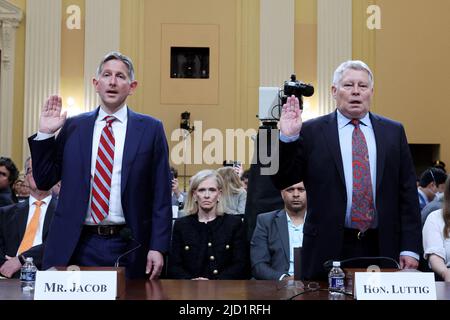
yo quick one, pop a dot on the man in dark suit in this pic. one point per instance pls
(114, 172)
(16, 226)
(357, 168)
(276, 235)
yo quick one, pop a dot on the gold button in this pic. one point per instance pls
(209, 244)
(211, 258)
(227, 247)
(215, 272)
(186, 248)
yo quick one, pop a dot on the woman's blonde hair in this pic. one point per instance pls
(191, 206)
(232, 183)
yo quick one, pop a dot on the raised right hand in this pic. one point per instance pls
(51, 119)
(291, 120)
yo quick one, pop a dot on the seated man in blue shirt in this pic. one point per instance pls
(276, 235)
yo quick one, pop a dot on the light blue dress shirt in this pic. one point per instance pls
(295, 241)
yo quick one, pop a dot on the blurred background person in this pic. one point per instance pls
(8, 176)
(21, 189)
(431, 185)
(208, 243)
(436, 238)
(24, 227)
(234, 194)
(244, 179)
(178, 197)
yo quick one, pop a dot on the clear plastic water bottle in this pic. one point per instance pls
(28, 275)
(336, 279)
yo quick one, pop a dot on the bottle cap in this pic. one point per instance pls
(336, 263)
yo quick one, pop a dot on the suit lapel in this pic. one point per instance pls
(21, 212)
(48, 217)
(86, 132)
(381, 139)
(281, 223)
(331, 133)
(135, 129)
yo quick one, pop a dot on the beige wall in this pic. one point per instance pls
(305, 53)
(413, 69)
(72, 58)
(238, 73)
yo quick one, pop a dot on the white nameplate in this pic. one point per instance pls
(395, 286)
(75, 285)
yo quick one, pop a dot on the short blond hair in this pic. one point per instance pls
(191, 206)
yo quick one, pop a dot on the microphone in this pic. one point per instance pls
(328, 263)
(126, 235)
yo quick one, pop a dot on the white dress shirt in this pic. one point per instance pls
(32, 207)
(119, 128)
(295, 240)
(434, 241)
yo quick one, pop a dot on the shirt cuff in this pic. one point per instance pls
(43, 136)
(410, 254)
(287, 139)
(284, 276)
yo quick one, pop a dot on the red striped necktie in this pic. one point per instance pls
(101, 186)
(362, 211)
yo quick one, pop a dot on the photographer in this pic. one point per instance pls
(177, 196)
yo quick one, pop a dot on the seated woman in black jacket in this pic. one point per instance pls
(208, 243)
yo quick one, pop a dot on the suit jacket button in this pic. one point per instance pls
(186, 248)
(215, 271)
(227, 247)
(211, 258)
(209, 244)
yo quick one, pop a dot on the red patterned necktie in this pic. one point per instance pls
(101, 186)
(362, 211)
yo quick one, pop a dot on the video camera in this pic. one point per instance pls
(271, 99)
(296, 88)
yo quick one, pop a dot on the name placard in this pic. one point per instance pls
(75, 285)
(395, 286)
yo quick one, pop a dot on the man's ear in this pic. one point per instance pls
(133, 86)
(333, 91)
(94, 83)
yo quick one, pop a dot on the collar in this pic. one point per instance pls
(342, 120)
(121, 114)
(46, 200)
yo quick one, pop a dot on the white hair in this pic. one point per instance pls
(351, 64)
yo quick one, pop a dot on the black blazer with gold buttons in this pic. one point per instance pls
(213, 250)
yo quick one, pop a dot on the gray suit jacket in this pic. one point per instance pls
(269, 247)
